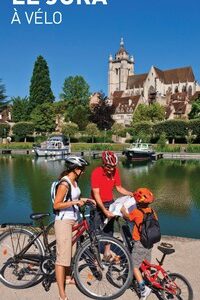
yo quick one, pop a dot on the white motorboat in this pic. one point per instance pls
(139, 151)
(56, 145)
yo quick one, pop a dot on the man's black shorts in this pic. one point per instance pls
(97, 219)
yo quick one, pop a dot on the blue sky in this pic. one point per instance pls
(156, 32)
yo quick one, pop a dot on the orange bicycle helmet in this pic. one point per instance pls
(143, 195)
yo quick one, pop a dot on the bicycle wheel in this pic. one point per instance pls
(176, 287)
(113, 280)
(19, 272)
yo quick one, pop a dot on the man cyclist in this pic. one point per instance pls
(103, 181)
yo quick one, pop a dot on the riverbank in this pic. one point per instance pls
(185, 260)
(97, 153)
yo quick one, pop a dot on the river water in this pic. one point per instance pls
(25, 188)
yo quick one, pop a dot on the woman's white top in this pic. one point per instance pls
(71, 212)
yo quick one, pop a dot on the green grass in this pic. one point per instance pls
(17, 145)
(97, 147)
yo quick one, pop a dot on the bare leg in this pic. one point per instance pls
(60, 278)
(107, 250)
(138, 275)
(69, 279)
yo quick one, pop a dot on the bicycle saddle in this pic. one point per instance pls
(166, 248)
(38, 216)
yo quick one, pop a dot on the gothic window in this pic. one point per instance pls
(184, 88)
(117, 71)
(151, 90)
(190, 91)
(176, 89)
(151, 94)
(169, 90)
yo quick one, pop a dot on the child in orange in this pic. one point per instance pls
(143, 197)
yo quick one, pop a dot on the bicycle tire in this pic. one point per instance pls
(184, 290)
(116, 277)
(22, 273)
(51, 238)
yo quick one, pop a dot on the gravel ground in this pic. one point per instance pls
(186, 261)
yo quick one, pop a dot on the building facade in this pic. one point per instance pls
(126, 90)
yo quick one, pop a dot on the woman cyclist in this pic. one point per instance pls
(66, 205)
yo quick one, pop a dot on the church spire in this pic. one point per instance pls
(122, 50)
(122, 42)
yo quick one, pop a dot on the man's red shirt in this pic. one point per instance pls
(105, 184)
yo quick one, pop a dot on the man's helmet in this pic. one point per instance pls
(143, 195)
(109, 158)
(74, 162)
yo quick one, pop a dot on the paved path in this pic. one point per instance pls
(186, 261)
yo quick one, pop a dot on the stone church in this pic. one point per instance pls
(172, 88)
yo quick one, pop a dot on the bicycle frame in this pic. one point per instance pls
(154, 279)
(79, 229)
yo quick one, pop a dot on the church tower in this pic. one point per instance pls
(119, 69)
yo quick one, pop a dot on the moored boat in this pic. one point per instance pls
(139, 151)
(56, 145)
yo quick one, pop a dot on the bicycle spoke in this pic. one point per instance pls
(107, 282)
(18, 272)
(177, 287)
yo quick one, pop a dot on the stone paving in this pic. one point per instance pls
(186, 261)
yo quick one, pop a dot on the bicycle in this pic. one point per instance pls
(25, 260)
(164, 284)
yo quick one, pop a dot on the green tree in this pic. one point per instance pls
(141, 114)
(70, 129)
(3, 102)
(4, 130)
(101, 114)
(195, 111)
(60, 107)
(118, 129)
(162, 140)
(44, 118)
(20, 109)
(75, 92)
(92, 131)
(40, 88)
(79, 115)
(23, 129)
(154, 113)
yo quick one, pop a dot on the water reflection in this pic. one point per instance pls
(25, 188)
(136, 167)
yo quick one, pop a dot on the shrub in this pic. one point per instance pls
(4, 130)
(172, 128)
(141, 127)
(162, 140)
(193, 148)
(22, 129)
(194, 125)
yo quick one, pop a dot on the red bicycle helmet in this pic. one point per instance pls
(143, 195)
(109, 158)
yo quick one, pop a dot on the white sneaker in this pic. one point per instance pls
(145, 293)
